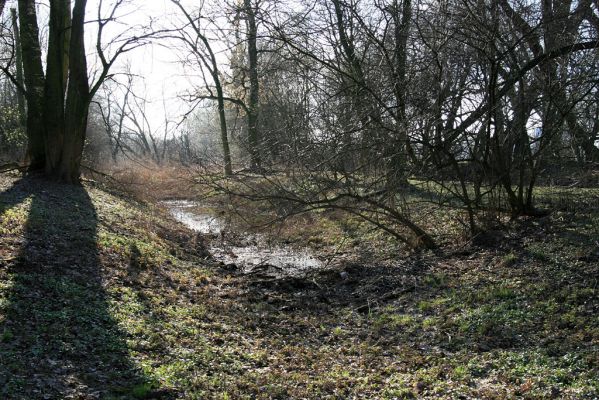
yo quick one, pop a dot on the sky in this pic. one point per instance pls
(159, 72)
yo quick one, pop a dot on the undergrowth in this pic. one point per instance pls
(104, 297)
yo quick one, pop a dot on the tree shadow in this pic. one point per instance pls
(58, 338)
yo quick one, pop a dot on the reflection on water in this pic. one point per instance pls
(183, 212)
(278, 260)
(288, 261)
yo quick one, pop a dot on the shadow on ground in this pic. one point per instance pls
(58, 339)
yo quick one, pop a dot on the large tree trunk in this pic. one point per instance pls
(56, 79)
(77, 101)
(34, 83)
(56, 121)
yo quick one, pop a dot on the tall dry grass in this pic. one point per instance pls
(149, 182)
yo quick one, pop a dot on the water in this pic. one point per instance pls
(275, 260)
(183, 211)
(284, 260)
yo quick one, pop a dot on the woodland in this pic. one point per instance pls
(299, 199)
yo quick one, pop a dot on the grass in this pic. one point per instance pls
(105, 297)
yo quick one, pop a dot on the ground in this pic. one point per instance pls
(104, 297)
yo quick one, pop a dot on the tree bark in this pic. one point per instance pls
(223, 129)
(77, 100)
(19, 67)
(34, 83)
(56, 79)
(56, 121)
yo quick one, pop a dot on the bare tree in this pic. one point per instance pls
(18, 67)
(249, 10)
(58, 99)
(199, 45)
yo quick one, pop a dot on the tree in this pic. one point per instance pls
(123, 111)
(18, 67)
(199, 45)
(112, 109)
(474, 96)
(58, 100)
(34, 83)
(249, 10)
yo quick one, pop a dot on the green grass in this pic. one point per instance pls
(103, 296)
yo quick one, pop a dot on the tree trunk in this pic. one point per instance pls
(77, 101)
(357, 82)
(19, 66)
(223, 129)
(34, 83)
(584, 140)
(252, 111)
(209, 60)
(56, 79)
(397, 175)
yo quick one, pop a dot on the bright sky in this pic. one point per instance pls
(161, 75)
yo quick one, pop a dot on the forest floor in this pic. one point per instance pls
(106, 297)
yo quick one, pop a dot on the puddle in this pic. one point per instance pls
(287, 261)
(276, 260)
(183, 211)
